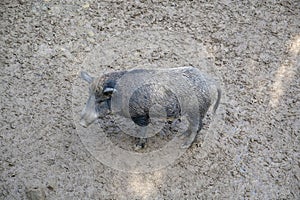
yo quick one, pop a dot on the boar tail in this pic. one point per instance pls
(218, 101)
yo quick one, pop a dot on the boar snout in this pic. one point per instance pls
(89, 114)
(87, 119)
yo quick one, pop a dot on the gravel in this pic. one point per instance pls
(250, 150)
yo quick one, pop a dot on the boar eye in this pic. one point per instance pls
(98, 99)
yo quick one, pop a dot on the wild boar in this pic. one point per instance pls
(184, 91)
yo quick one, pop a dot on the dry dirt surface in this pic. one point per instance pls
(249, 150)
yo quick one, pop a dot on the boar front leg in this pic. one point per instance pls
(141, 141)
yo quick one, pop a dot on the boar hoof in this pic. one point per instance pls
(141, 144)
(186, 144)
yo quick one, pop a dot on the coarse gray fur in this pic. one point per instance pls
(172, 88)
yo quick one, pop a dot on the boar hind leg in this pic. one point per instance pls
(190, 134)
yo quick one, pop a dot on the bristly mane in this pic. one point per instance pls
(98, 83)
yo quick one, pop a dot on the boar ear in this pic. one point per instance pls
(85, 76)
(109, 91)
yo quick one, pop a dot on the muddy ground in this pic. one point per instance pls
(250, 150)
